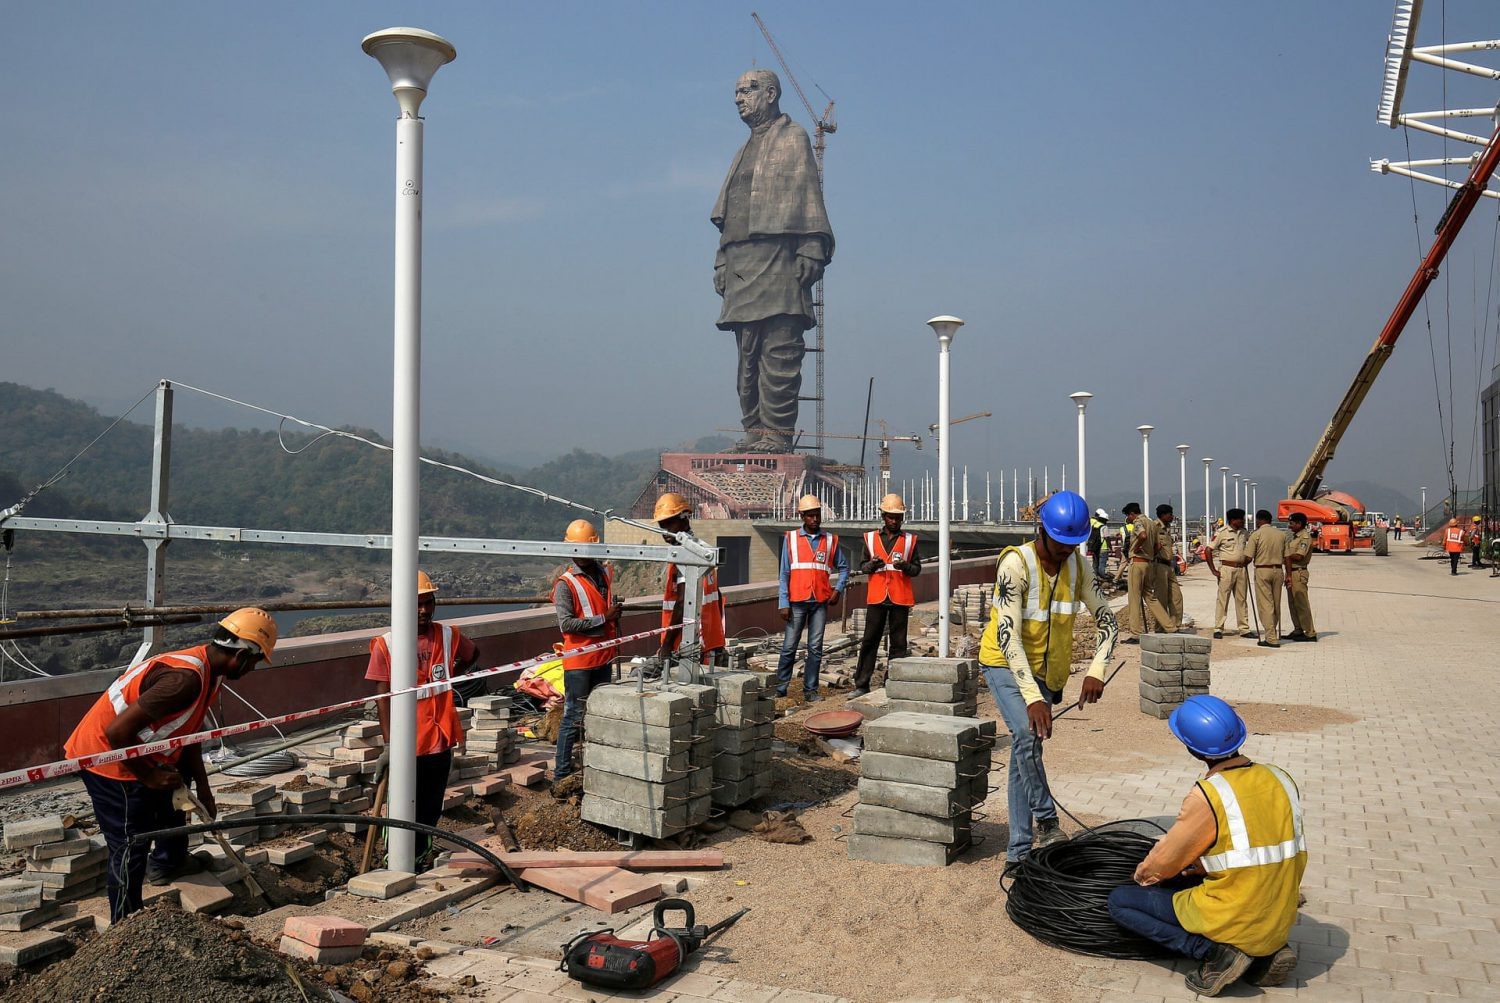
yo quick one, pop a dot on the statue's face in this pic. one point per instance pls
(754, 97)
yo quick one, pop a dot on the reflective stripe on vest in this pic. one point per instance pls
(890, 582)
(710, 612)
(584, 603)
(446, 664)
(167, 728)
(809, 578)
(1033, 609)
(1241, 853)
(1046, 628)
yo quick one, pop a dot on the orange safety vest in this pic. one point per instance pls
(438, 726)
(89, 738)
(710, 612)
(1453, 539)
(890, 582)
(588, 602)
(811, 572)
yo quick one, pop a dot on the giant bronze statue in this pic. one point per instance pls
(774, 241)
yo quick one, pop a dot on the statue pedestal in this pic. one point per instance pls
(738, 485)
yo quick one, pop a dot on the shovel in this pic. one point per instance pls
(184, 800)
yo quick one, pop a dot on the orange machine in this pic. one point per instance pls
(1338, 519)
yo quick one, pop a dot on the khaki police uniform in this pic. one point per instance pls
(1144, 606)
(1299, 550)
(1266, 550)
(1228, 550)
(1167, 589)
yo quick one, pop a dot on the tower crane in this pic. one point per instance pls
(823, 126)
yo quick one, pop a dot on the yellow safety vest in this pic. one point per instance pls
(1249, 898)
(1047, 612)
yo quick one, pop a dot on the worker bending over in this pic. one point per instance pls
(1299, 550)
(442, 653)
(587, 613)
(1221, 886)
(156, 699)
(1026, 651)
(671, 514)
(810, 558)
(1266, 550)
(891, 561)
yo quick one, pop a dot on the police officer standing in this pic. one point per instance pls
(1143, 606)
(1299, 551)
(1165, 570)
(1226, 561)
(1266, 550)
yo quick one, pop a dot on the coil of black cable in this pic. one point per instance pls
(1060, 893)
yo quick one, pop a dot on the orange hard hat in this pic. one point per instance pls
(252, 624)
(669, 506)
(581, 531)
(809, 503)
(892, 503)
(424, 584)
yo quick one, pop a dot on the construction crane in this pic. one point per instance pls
(823, 126)
(959, 421)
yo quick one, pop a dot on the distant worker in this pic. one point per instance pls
(1168, 590)
(1027, 649)
(587, 613)
(1476, 543)
(1227, 560)
(1266, 549)
(1143, 605)
(891, 561)
(1398, 527)
(1453, 543)
(671, 514)
(810, 559)
(1098, 546)
(162, 697)
(442, 653)
(1299, 551)
(1221, 886)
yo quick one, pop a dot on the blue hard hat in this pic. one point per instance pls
(1065, 517)
(1208, 726)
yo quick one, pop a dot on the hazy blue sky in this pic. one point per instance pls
(1167, 204)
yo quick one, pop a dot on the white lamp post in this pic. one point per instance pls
(1237, 502)
(1423, 516)
(1145, 431)
(945, 328)
(410, 57)
(1208, 501)
(1182, 517)
(1082, 398)
(1254, 497)
(1224, 493)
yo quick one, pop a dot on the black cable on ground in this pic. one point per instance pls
(1060, 893)
(393, 823)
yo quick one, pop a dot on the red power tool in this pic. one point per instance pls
(599, 958)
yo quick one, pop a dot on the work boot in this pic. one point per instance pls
(1248, 633)
(811, 696)
(1273, 969)
(156, 875)
(1219, 970)
(859, 691)
(1049, 832)
(1266, 644)
(1218, 634)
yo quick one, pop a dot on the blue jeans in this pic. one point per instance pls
(1099, 561)
(1027, 795)
(124, 808)
(813, 616)
(577, 685)
(1148, 911)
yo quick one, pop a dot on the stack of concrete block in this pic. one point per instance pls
(488, 731)
(648, 758)
(944, 686)
(63, 865)
(361, 743)
(323, 940)
(1173, 668)
(921, 777)
(745, 720)
(250, 801)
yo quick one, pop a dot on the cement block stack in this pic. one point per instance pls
(745, 721)
(61, 865)
(646, 769)
(488, 732)
(944, 686)
(1173, 668)
(921, 777)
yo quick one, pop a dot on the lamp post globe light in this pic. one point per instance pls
(1145, 431)
(1182, 451)
(1208, 501)
(410, 57)
(945, 327)
(1082, 398)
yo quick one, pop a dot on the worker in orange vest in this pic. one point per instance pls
(155, 699)
(810, 558)
(587, 613)
(1476, 542)
(671, 514)
(1453, 543)
(442, 653)
(891, 561)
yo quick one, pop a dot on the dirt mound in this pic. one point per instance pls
(541, 822)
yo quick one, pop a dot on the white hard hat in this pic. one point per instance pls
(1101, 515)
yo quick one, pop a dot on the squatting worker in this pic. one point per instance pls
(1165, 569)
(810, 559)
(891, 561)
(1299, 550)
(1026, 651)
(1453, 544)
(442, 653)
(1143, 605)
(1227, 560)
(1221, 886)
(671, 514)
(152, 700)
(1266, 550)
(587, 613)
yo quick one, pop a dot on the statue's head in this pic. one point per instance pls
(757, 95)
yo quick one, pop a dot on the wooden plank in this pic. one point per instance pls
(630, 860)
(608, 889)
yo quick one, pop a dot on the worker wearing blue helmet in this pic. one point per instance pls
(1027, 649)
(1221, 886)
